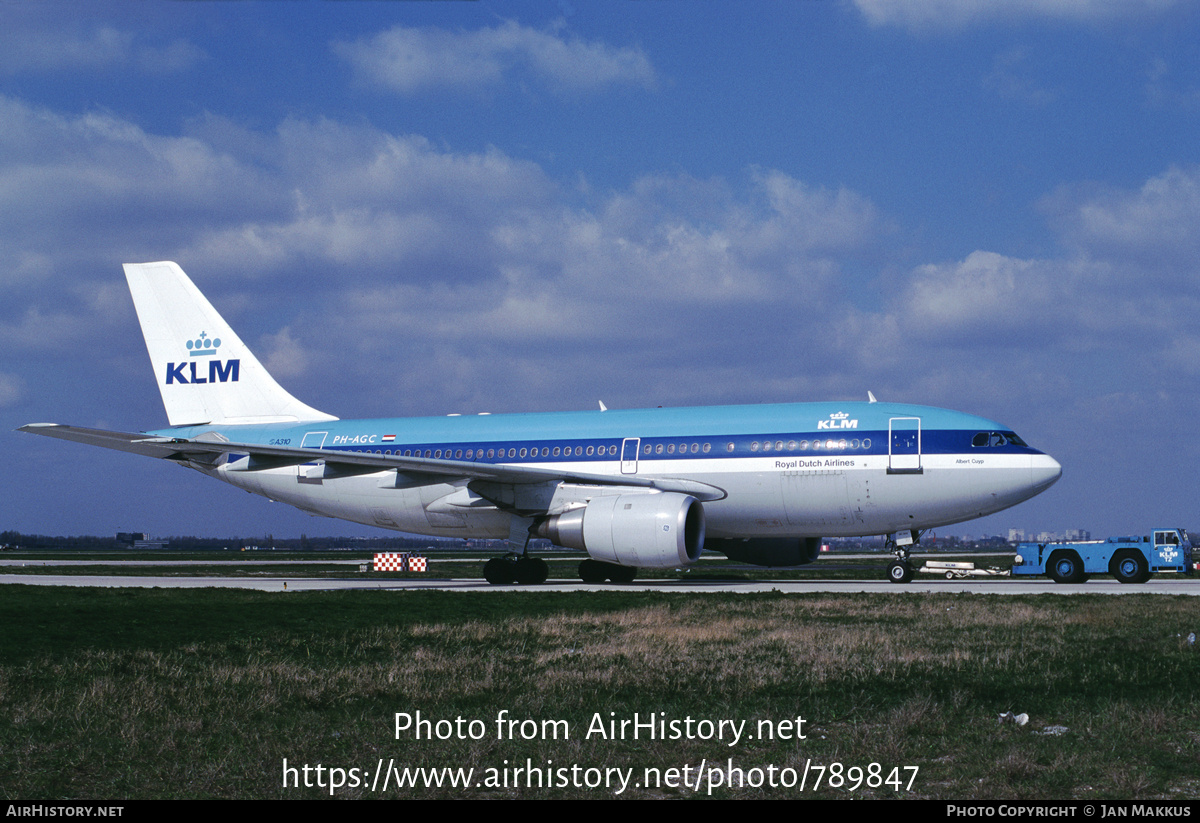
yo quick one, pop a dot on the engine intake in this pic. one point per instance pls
(649, 531)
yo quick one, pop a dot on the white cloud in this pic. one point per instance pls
(1012, 79)
(49, 50)
(34, 47)
(12, 389)
(284, 355)
(942, 14)
(1160, 221)
(409, 60)
(90, 177)
(467, 273)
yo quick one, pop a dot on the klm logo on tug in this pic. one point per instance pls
(219, 371)
(837, 421)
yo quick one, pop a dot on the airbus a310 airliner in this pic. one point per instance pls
(644, 488)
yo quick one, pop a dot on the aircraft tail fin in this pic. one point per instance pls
(205, 373)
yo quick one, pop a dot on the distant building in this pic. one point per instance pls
(139, 540)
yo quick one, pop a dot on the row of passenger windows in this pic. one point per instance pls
(804, 445)
(979, 440)
(648, 449)
(478, 454)
(682, 448)
(545, 451)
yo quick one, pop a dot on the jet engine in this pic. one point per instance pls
(649, 531)
(769, 551)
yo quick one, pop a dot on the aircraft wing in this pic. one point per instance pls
(208, 449)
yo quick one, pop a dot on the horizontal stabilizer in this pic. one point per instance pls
(145, 444)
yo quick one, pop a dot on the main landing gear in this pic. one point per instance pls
(518, 566)
(530, 571)
(514, 568)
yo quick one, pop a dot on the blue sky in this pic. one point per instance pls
(419, 208)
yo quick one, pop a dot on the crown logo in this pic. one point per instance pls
(839, 416)
(204, 346)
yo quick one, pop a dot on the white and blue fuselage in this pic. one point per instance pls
(788, 470)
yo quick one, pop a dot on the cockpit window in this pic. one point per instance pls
(994, 440)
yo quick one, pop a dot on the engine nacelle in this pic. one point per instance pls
(769, 551)
(649, 531)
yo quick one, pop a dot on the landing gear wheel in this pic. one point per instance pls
(500, 571)
(624, 574)
(595, 571)
(900, 572)
(591, 571)
(1130, 567)
(530, 571)
(1066, 567)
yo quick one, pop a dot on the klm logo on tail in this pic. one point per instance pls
(218, 371)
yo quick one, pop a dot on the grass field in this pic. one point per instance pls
(205, 693)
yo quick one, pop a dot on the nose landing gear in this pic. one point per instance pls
(901, 570)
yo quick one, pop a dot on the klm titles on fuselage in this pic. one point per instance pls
(840, 420)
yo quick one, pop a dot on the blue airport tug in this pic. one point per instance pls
(1129, 559)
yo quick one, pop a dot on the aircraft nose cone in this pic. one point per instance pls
(1044, 471)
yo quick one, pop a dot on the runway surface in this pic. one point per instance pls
(1001, 586)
